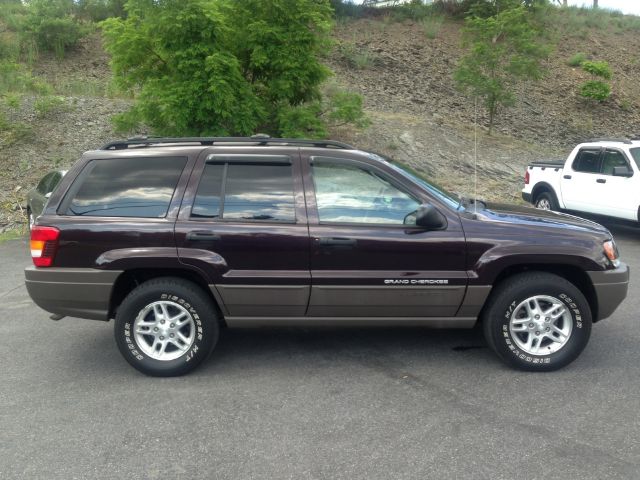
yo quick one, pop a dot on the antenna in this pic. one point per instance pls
(475, 155)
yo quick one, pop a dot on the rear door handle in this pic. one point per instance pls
(568, 177)
(601, 180)
(202, 236)
(337, 242)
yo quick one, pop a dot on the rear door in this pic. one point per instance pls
(243, 222)
(368, 259)
(580, 180)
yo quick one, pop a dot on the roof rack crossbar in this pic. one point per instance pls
(259, 140)
(604, 139)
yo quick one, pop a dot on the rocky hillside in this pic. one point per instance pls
(405, 76)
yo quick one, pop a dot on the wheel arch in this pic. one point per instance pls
(573, 274)
(130, 279)
(542, 187)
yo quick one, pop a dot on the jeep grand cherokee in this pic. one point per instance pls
(175, 238)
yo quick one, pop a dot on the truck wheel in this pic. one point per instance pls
(166, 327)
(547, 201)
(537, 321)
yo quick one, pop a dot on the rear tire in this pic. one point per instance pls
(537, 321)
(166, 327)
(547, 201)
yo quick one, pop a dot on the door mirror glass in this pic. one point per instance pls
(429, 217)
(622, 172)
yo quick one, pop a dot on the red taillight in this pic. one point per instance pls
(44, 243)
(526, 177)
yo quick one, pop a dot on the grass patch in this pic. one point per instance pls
(13, 234)
(357, 57)
(578, 21)
(431, 26)
(577, 59)
(49, 106)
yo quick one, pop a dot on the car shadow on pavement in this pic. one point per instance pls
(318, 345)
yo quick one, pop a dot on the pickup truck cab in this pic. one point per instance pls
(599, 177)
(177, 238)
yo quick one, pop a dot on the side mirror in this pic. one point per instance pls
(428, 216)
(622, 172)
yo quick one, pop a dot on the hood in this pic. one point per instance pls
(515, 214)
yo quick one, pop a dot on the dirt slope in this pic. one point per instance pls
(406, 79)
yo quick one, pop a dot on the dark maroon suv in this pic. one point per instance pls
(176, 238)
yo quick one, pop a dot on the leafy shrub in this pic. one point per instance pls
(598, 69)
(99, 10)
(595, 90)
(51, 25)
(577, 59)
(223, 67)
(57, 34)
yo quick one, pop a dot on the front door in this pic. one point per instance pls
(243, 223)
(618, 195)
(368, 258)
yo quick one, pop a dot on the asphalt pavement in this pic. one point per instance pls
(299, 403)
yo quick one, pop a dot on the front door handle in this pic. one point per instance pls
(336, 242)
(568, 177)
(202, 236)
(601, 180)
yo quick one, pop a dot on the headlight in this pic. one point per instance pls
(611, 252)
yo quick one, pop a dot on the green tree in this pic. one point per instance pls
(504, 50)
(223, 67)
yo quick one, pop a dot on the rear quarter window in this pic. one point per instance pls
(587, 161)
(125, 187)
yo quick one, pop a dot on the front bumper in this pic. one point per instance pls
(73, 292)
(611, 289)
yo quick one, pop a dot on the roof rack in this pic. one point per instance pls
(259, 140)
(618, 140)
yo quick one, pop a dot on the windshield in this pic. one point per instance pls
(635, 152)
(441, 194)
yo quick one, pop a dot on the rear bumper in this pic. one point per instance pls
(611, 289)
(526, 197)
(73, 292)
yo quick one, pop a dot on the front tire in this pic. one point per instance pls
(537, 321)
(547, 201)
(166, 327)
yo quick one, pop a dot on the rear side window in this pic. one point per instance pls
(587, 161)
(126, 187)
(243, 190)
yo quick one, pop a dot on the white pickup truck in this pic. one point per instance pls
(600, 177)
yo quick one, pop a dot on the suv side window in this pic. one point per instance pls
(612, 159)
(350, 194)
(126, 187)
(238, 190)
(587, 161)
